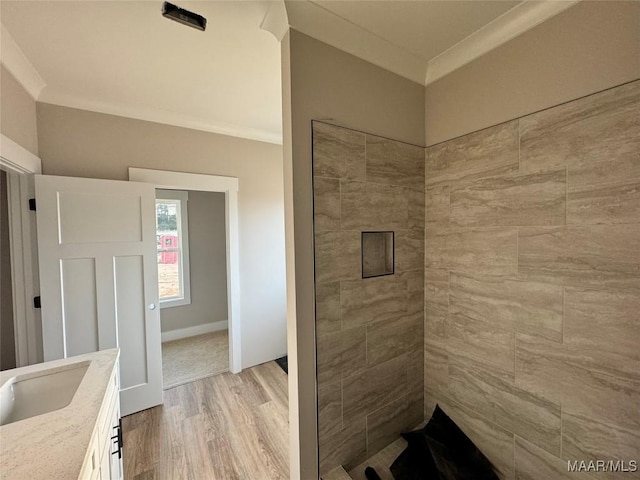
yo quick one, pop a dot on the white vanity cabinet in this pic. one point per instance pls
(61, 419)
(104, 455)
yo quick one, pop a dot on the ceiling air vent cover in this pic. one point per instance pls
(173, 12)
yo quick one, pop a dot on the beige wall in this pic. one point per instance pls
(7, 345)
(86, 144)
(328, 84)
(208, 265)
(532, 279)
(369, 331)
(589, 47)
(17, 112)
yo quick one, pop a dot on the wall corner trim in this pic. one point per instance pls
(507, 26)
(13, 58)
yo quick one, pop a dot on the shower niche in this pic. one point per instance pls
(377, 254)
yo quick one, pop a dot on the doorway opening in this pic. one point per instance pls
(192, 285)
(179, 288)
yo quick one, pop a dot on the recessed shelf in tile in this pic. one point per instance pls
(377, 254)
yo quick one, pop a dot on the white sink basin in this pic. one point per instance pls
(29, 395)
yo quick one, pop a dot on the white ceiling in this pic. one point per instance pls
(124, 58)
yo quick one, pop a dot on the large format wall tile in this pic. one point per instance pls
(330, 408)
(387, 423)
(369, 332)
(488, 250)
(484, 342)
(521, 412)
(436, 371)
(512, 199)
(601, 127)
(337, 256)
(532, 284)
(494, 441)
(585, 438)
(326, 206)
(340, 354)
(415, 207)
(533, 463)
(338, 152)
(437, 205)
(373, 299)
(328, 313)
(409, 250)
(377, 386)
(526, 307)
(605, 256)
(367, 206)
(605, 204)
(346, 447)
(415, 373)
(605, 326)
(436, 301)
(394, 163)
(388, 339)
(560, 374)
(598, 139)
(491, 151)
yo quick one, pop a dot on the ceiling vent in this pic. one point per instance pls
(180, 15)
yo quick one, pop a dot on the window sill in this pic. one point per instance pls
(175, 302)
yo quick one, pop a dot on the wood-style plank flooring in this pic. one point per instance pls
(223, 427)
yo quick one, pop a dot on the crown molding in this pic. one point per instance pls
(160, 116)
(275, 21)
(321, 24)
(15, 61)
(507, 26)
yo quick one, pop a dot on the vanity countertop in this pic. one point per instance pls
(54, 445)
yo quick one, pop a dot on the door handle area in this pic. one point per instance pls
(152, 306)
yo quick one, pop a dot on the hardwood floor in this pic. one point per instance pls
(224, 427)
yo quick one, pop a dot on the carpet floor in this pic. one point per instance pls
(193, 358)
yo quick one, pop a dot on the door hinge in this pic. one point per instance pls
(32, 204)
(36, 302)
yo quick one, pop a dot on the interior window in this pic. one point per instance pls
(172, 230)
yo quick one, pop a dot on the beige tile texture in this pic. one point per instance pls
(338, 152)
(532, 286)
(369, 331)
(514, 304)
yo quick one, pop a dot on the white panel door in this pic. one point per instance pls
(98, 278)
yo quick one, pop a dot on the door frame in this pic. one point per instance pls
(229, 186)
(18, 162)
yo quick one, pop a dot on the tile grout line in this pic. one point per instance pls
(566, 194)
(514, 456)
(519, 143)
(561, 431)
(563, 310)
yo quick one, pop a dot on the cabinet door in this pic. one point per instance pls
(115, 461)
(104, 465)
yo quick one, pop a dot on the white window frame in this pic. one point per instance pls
(183, 234)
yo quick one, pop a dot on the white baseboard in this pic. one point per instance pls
(193, 331)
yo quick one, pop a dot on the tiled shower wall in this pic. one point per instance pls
(532, 285)
(369, 331)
